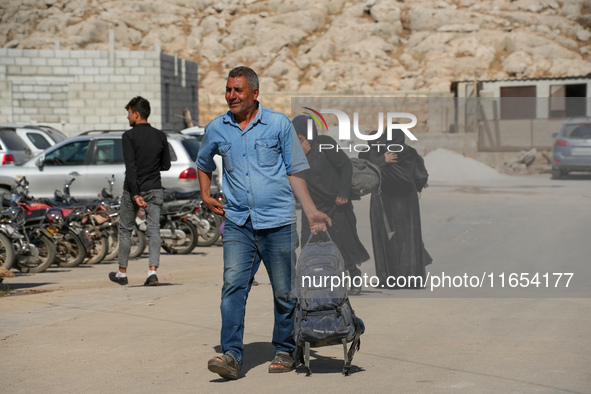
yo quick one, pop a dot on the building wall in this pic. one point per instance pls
(179, 91)
(76, 91)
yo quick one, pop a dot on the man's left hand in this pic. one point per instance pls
(139, 200)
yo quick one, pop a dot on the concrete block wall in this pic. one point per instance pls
(76, 91)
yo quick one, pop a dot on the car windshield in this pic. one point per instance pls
(192, 147)
(38, 140)
(11, 140)
(578, 131)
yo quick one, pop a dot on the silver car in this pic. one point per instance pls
(93, 156)
(13, 150)
(572, 147)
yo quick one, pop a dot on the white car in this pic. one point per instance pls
(198, 132)
(92, 158)
(37, 137)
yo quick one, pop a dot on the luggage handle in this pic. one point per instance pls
(319, 234)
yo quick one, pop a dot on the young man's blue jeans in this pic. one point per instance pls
(244, 248)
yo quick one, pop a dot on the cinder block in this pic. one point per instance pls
(45, 111)
(95, 54)
(24, 88)
(85, 79)
(46, 70)
(124, 87)
(31, 53)
(107, 71)
(30, 109)
(92, 119)
(108, 119)
(30, 96)
(55, 61)
(75, 70)
(131, 62)
(60, 111)
(43, 96)
(153, 71)
(122, 54)
(46, 53)
(138, 70)
(101, 94)
(41, 88)
(91, 87)
(3, 52)
(132, 79)
(60, 96)
(62, 54)
(60, 70)
(101, 78)
(77, 103)
(118, 95)
(39, 61)
(7, 60)
(13, 70)
(93, 103)
(91, 70)
(70, 62)
(77, 54)
(100, 62)
(103, 109)
(122, 70)
(57, 89)
(76, 119)
(17, 110)
(84, 62)
(117, 78)
(28, 70)
(22, 61)
(55, 104)
(51, 119)
(15, 52)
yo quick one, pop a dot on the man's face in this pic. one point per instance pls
(133, 117)
(239, 96)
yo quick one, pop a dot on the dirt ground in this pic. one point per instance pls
(72, 330)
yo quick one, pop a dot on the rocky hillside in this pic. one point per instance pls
(322, 45)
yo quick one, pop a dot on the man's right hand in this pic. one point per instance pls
(213, 204)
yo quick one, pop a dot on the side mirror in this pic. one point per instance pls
(40, 161)
(554, 135)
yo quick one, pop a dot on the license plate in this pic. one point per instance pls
(581, 150)
(53, 230)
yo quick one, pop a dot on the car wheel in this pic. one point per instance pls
(556, 173)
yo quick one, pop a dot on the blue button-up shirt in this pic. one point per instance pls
(256, 163)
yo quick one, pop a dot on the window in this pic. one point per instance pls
(38, 140)
(72, 154)
(108, 152)
(192, 147)
(567, 100)
(518, 102)
(11, 140)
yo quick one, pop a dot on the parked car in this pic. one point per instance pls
(13, 150)
(198, 132)
(93, 156)
(572, 147)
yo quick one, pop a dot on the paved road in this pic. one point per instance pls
(71, 330)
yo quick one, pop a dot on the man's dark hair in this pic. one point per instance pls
(141, 105)
(251, 77)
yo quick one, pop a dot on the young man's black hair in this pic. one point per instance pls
(140, 105)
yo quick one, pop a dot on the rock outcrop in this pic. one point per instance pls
(322, 45)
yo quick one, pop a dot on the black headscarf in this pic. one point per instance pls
(300, 124)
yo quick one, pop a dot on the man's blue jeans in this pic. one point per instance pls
(244, 248)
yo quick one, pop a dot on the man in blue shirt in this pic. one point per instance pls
(262, 163)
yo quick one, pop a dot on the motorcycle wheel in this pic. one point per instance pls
(6, 252)
(214, 230)
(99, 249)
(70, 250)
(190, 241)
(113, 245)
(138, 243)
(46, 257)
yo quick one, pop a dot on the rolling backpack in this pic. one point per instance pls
(323, 316)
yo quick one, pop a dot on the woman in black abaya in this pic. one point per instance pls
(329, 184)
(395, 215)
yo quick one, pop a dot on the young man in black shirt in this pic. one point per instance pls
(145, 152)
